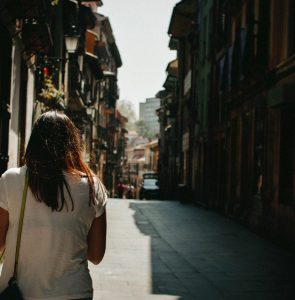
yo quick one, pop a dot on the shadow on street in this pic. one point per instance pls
(199, 254)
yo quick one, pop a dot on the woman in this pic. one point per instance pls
(64, 221)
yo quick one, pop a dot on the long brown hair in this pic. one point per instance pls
(55, 147)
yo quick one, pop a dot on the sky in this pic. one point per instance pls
(140, 29)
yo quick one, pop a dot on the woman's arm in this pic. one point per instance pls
(97, 239)
(4, 221)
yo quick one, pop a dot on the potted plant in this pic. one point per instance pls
(51, 96)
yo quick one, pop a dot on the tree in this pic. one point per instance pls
(126, 108)
(143, 129)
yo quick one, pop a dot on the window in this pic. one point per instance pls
(259, 131)
(287, 156)
(209, 34)
(279, 27)
(291, 36)
(204, 50)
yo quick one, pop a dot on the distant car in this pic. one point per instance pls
(150, 175)
(149, 189)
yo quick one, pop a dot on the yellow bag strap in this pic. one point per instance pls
(20, 226)
(1, 256)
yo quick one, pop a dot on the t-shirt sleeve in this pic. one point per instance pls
(100, 198)
(3, 195)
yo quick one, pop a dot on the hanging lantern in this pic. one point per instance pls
(45, 71)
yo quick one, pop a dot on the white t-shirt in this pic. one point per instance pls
(53, 253)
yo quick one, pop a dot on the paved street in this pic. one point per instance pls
(167, 250)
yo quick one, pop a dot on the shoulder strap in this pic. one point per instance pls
(2, 255)
(20, 225)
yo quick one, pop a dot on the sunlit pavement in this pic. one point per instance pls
(167, 250)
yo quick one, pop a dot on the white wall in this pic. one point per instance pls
(30, 104)
(13, 143)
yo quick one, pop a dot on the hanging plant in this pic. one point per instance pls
(54, 2)
(51, 96)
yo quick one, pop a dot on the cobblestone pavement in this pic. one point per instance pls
(167, 250)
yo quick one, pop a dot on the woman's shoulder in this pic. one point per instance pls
(82, 178)
(96, 181)
(98, 185)
(14, 172)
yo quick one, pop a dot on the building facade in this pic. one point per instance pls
(238, 132)
(59, 55)
(179, 112)
(147, 113)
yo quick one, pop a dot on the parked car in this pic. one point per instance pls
(149, 189)
(150, 175)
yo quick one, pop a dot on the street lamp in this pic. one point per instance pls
(90, 111)
(71, 43)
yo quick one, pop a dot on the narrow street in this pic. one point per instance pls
(167, 250)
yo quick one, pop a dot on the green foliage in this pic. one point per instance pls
(143, 129)
(54, 2)
(50, 95)
(126, 108)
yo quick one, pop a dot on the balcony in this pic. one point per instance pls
(36, 37)
(91, 42)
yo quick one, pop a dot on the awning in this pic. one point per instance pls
(183, 16)
(37, 37)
